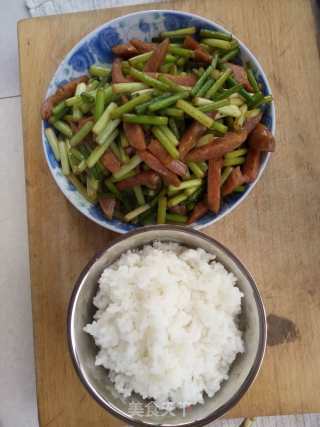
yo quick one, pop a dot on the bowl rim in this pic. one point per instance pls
(254, 370)
(243, 47)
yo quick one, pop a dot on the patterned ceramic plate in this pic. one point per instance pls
(96, 48)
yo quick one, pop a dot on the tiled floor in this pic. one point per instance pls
(17, 390)
(17, 380)
(11, 12)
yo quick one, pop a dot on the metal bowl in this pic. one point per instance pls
(83, 350)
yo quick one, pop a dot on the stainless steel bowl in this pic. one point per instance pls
(83, 349)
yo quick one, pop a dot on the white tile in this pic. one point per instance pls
(11, 12)
(17, 379)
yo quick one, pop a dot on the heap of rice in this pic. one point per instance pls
(166, 324)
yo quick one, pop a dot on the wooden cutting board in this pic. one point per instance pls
(275, 231)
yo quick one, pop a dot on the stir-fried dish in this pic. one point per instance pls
(166, 134)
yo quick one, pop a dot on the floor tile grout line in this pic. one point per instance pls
(9, 97)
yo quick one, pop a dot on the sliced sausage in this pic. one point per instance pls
(252, 164)
(187, 80)
(214, 182)
(235, 179)
(262, 139)
(141, 46)
(148, 178)
(157, 58)
(200, 54)
(240, 75)
(125, 50)
(84, 120)
(108, 205)
(251, 123)
(110, 161)
(135, 135)
(190, 138)
(124, 99)
(74, 126)
(117, 74)
(200, 209)
(178, 209)
(219, 147)
(177, 167)
(62, 93)
(156, 165)
(129, 150)
(190, 43)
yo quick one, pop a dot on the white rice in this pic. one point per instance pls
(166, 324)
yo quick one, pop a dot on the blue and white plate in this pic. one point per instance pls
(95, 47)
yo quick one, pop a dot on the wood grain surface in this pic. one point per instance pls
(275, 231)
